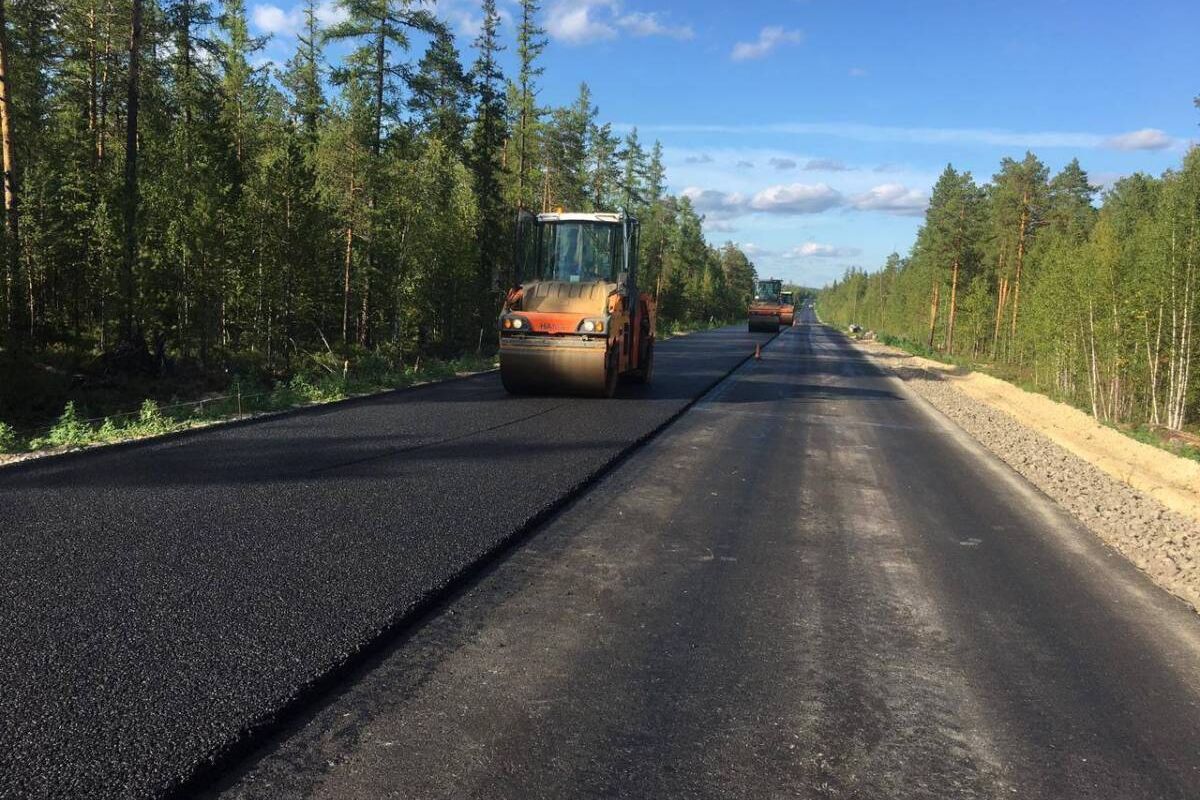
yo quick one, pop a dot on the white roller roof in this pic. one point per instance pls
(579, 217)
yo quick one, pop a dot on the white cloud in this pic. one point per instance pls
(587, 21)
(891, 198)
(715, 204)
(782, 163)
(796, 198)
(330, 13)
(743, 164)
(273, 19)
(753, 250)
(818, 250)
(573, 22)
(703, 158)
(641, 23)
(769, 39)
(858, 72)
(1036, 140)
(825, 165)
(1145, 139)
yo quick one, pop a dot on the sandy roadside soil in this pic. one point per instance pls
(1142, 501)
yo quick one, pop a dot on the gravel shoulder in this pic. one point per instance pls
(1142, 501)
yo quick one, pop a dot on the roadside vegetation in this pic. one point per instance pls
(185, 220)
(1029, 279)
(73, 429)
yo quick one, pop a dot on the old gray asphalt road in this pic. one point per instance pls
(159, 601)
(810, 586)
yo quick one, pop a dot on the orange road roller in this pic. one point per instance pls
(575, 322)
(787, 309)
(766, 309)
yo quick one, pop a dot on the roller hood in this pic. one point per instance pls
(565, 297)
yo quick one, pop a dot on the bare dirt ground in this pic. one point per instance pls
(1142, 501)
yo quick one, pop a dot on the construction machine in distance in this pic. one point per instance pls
(787, 309)
(575, 322)
(765, 309)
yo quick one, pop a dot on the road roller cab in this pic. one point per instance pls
(575, 322)
(787, 309)
(765, 310)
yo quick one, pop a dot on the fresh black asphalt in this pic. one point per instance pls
(810, 586)
(158, 602)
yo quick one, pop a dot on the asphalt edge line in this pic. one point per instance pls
(52, 458)
(206, 774)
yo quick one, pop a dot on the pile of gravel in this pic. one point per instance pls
(1162, 543)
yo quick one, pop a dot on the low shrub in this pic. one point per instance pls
(69, 431)
(8, 439)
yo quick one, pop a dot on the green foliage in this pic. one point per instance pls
(315, 231)
(69, 431)
(1097, 307)
(8, 439)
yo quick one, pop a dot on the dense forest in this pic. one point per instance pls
(178, 211)
(1093, 304)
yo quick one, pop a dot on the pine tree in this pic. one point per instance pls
(303, 76)
(13, 301)
(531, 41)
(485, 157)
(1069, 208)
(633, 174)
(441, 94)
(949, 239)
(603, 168)
(566, 152)
(371, 81)
(129, 196)
(1018, 207)
(656, 172)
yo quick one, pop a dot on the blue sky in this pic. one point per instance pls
(810, 131)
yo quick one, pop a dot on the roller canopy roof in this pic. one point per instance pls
(579, 217)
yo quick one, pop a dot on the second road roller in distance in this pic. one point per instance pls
(765, 309)
(575, 322)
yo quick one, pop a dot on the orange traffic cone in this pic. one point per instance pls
(758, 352)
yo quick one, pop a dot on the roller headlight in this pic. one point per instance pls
(512, 322)
(591, 326)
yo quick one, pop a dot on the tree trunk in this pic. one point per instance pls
(953, 307)
(380, 58)
(933, 309)
(521, 153)
(102, 99)
(346, 280)
(1001, 296)
(364, 316)
(1152, 362)
(131, 173)
(15, 307)
(1020, 261)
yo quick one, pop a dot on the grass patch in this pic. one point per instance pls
(1156, 438)
(369, 375)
